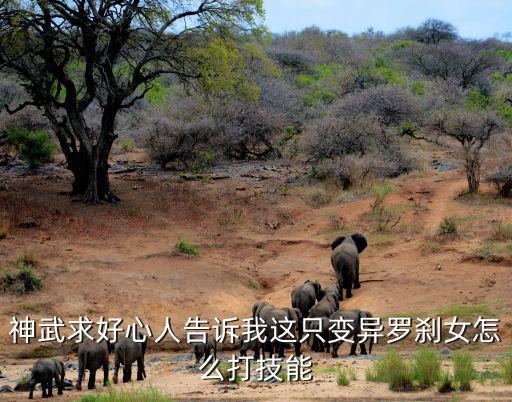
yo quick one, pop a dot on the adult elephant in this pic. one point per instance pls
(127, 352)
(322, 311)
(354, 318)
(274, 318)
(345, 261)
(92, 356)
(306, 295)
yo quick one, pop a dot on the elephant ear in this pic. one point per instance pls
(360, 242)
(318, 290)
(337, 242)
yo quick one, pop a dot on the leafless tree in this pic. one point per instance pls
(69, 54)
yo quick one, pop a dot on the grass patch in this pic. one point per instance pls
(468, 311)
(490, 252)
(426, 368)
(448, 226)
(133, 395)
(226, 374)
(127, 144)
(506, 369)
(463, 370)
(253, 284)
(185, 247)
(445, 383)
(34, 307)
(344, 375)
(394, 370)
(232, 216)
(501, 231)
(23, 278)
(430, 247)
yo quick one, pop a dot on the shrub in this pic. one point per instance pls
(463, 370)
(385, 217)
(34, 147)
(502, 231)
(427, 368)
(502, 181)
(253, 284)
(447, 226)
(393, 370)
(445, 383)
(22, 279)
(226, 374)
(345, 375)
(128, 395)
(185, 247)
(506, 369)
(127, 144)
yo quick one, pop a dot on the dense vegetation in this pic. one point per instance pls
(355, 106)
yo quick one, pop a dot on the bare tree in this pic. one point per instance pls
(71, 54)
(467, 63)
(433, 31)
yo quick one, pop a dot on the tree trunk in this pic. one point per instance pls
(98, 183)
(473, 174)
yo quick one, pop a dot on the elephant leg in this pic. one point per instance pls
(363, 348)
(31, 389)
(117, 364)
(140, 369)
(314, 346)
(44, 386)
(321, 347)
(92, 379)
(50, 387)
(127, 372)
(281, 350)
(59, 384)
(353, 349)
(357, 284)
(105, 373)
(348, 288)
(81, 373)
(335, 347)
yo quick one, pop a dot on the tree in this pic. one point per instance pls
(74, 55)
(466, 63)
(433, 31)
(472, 129)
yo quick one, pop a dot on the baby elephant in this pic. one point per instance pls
(205, 349)
(127, 352)
(44, 372)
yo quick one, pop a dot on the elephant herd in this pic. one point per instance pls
(308, 300)
(92, 356)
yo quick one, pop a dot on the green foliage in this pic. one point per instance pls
(127, 395)
(319, 95)
(478, 100)
(183, 246)
(253, 284)
(34, 147)
(22, 279)
(447, 226)
(202, 162)
(224, 371)
(463, 369)
(418, 88)
(384, 216)
(502, 231)
(394, 370)
(445, 383)
(344, 375)
(426, 368)
(157, 95)
(127, 144)
(506, 369)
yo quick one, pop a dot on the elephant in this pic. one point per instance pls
(44, 371)
(345, 261)
(254, 345)
(323, 330)
(268, 313)
(324, 309)
(127, 351)
(306, 295)
(205, 349)
(92, 356)
(355, 316)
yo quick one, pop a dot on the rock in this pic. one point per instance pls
(71, 366)
(439, 267)
(154, 359)
(28, 224)
(446, 351)
(229, 388)
(6, 389)
(68, 385)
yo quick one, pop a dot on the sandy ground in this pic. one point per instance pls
(257, 224)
